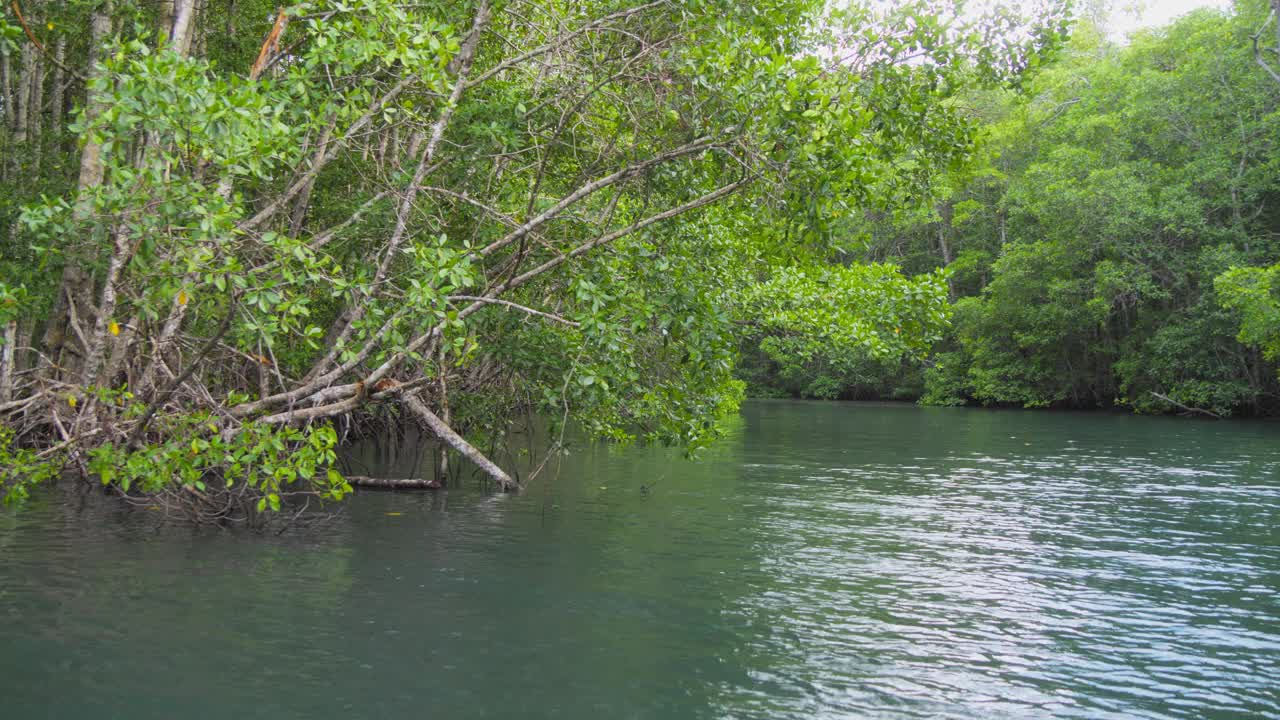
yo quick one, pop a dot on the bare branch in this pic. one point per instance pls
(457, 442)
(1257, 51)
(465, 58)
(697, 146)
(559, 41)
(516, 306)
(610, 237)
(320, 161)
(17, 10)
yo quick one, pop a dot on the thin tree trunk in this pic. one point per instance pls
(58, 98)
(382, 151)
(200, 36)
(181, 30)
(184, 12)
(21, 121)
(346, 321)
(34, 114)
(165, 21)
(120, 350)
(1275, 8)
(26, 328)
(77, 283)
(22, 115)
(6, 90)
(91, 157)
(120, 254)
(7, 366)
(444, 412)
(944, 247)
(37, 96)
(303, 202)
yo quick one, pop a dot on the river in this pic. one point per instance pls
(823, 561)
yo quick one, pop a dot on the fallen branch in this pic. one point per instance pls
(393, 483)
(516, 306)
(457, 442)
(1187, 408)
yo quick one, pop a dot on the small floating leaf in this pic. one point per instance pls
(395, 514)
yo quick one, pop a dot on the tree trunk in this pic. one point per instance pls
(1275, 7)
(6, 90)
(26, 328)
(22, 108)
(37, 97)
(58, 98)
(7, 365)
(945, 213)
(34, 115)
(303, 201)
(97, 350)
(21, 121)
(184, 12)
(200, 35)
(165, 22)
(77, 283)
(444, 411)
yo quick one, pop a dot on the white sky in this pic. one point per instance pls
(1154, 12)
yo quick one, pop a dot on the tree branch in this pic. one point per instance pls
(559, 41)
(17, 10)
(697, 146)
(1257, 51)
(515, 306)
(610, 237)
(457, 442)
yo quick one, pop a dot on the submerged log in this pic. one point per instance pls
(395, 483)
(1187, 410)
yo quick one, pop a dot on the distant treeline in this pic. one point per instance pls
(1115, 243)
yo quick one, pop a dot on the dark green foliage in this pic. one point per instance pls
(1085, 237)
(270, 223)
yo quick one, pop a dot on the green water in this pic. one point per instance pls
(825, 561)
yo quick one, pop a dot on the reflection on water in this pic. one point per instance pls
(825, 561)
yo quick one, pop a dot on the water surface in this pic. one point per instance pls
(824, 561)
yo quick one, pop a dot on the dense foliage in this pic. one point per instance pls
(232, 231)
(1112, 244)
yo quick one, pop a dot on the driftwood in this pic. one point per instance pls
(394, 483)
(1186, 408)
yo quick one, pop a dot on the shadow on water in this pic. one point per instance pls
(825, 560)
